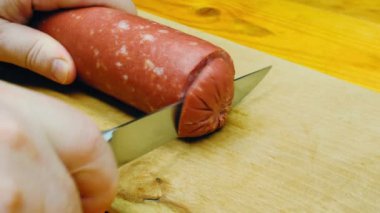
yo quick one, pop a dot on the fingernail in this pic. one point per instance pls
(60, 70)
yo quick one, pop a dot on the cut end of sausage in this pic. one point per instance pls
(208, 100)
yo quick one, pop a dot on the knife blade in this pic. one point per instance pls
(137, 137)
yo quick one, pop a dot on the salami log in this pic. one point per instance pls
(148, 65)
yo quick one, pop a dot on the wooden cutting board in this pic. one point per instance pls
(300, 142)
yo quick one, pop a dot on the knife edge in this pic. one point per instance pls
(137, 137)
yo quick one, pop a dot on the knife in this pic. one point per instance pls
(137, 137)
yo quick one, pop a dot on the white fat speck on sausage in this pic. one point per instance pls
(125, 77)
(147, 37)
(163, 31)
(149, 65)
(78, 17)
(96, 52)
(158, 70)
(123, 50)
(123, 25)
(141, 27)
(119, 64)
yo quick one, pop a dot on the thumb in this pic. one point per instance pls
(36, 51)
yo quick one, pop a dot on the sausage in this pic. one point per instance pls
(148, 65)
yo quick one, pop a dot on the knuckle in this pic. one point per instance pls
(12, 133)
(92, 147)
(11, 196)
(34, 53)
(91, 144)
(14, 137)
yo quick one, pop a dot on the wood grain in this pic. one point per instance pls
(301, 142)
(340, 38)
(365, 9)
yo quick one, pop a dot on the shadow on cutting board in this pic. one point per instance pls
(19, 76)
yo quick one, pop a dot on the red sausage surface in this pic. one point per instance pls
(148, 65)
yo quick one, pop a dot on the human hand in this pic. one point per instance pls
(35, 50)
(52, 158)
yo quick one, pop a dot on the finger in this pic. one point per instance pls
(36, 51)
(15, 10)
(126, 5)
(77, 142)
(10, 199)
(96, 193)
(30, 171)
(86, 155)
